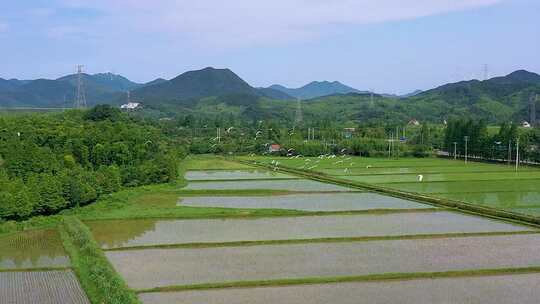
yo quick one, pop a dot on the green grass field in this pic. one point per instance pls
(494, 185)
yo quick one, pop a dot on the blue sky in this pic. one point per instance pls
(393, 46)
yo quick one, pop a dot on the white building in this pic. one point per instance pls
(414, 122)
(130, 106)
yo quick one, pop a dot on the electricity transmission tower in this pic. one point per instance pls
(80, 101)
(486, 71)
(299, 116)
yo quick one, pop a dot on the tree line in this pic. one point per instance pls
(473, 136)
(56, 161)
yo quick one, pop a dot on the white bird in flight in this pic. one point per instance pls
(420, 177)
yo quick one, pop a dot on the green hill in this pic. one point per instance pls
(316, 89)
(195, 84)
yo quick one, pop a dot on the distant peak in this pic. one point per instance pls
(523, 76)
(518, 72)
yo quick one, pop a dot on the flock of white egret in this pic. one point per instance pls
(310, 163)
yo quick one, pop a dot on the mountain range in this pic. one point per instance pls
(316, 89)
(219, 91)
(61, 92)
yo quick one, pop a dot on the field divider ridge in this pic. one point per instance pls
(96, 275)
(439, 202)
(323, 240)
(263, 213)
(362, 278)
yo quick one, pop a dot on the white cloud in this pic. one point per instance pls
(248, 22)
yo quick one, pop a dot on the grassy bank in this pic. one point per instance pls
(96, 275)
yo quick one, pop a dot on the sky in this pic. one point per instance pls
(390, 46)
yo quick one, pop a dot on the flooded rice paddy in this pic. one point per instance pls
(511, 289)
(302, 185)
(410, 169)
(467, 187)
(32, 249)
(306, 202)
(44, 287)
(235, 174)
(111, 234)
(221, 263)
(475, 183)
(441, 177)
(164, 267)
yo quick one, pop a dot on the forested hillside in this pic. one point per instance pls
(53, 162)
(496, 100)
(221, 92)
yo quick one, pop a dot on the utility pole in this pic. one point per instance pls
(509, 151)
(455, 150)
(517, 153)
(218, 134)
(466, 147)
(390, 145)
(394, 145)
(396, 151)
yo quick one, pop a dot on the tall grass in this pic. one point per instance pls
(97, 276)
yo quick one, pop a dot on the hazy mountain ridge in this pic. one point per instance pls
(61, 92)
(222, 91)
(316, 89)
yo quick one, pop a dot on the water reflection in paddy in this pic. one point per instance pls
(39, 248)
(166, 267)
(490, 289)
(122, 233)
(234, 174)
(287, 185)
(307, 202)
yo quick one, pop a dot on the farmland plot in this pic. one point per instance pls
(290, 228)
(44, 287)
(153, 267)
(512, 289)
(302, 185)
(234, 174)
(306, 202)
(39, 248)
(494, 185)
